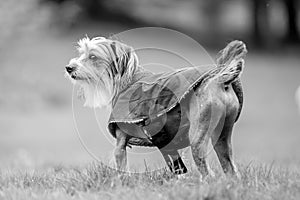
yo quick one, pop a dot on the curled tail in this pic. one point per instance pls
(231, 72)
(231, 62)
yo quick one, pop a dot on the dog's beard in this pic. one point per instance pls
(96, 94)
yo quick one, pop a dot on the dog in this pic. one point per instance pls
(169, 111)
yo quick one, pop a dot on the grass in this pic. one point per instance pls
(97, 181)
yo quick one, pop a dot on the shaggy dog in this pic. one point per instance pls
(169, 111)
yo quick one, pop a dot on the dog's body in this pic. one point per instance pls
(106, 67)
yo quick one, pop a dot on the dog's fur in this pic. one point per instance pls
(104, 67)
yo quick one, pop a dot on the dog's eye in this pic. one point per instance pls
(92, 57)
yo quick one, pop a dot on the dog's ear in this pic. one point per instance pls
(124, 59)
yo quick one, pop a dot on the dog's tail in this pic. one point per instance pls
(230, 73)
(231, 62)
(230, 66)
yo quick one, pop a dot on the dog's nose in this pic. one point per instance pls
(70, 69)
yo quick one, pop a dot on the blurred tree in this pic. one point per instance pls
(94, 8)
(260, 21)
(212, 10)
(291, 10)
(261, 28)
(113, 10)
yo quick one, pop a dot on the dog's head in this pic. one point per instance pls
(101, 69)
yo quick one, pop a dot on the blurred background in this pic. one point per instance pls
(37, 39)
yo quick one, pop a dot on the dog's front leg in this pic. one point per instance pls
(174, 161)
(120, 150)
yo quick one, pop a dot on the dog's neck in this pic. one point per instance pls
(127, 79)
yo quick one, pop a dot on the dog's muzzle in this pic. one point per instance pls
(70, 69)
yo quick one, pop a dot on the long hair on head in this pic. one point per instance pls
(120, 63)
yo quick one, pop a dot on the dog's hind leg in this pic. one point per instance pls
(201, 127)
(199, 150)
(174, 161)
(120, 150)
(223, 147)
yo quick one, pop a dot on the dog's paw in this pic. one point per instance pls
(182, 176)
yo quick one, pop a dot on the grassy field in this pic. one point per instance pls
(97, 181)
(42, 158)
